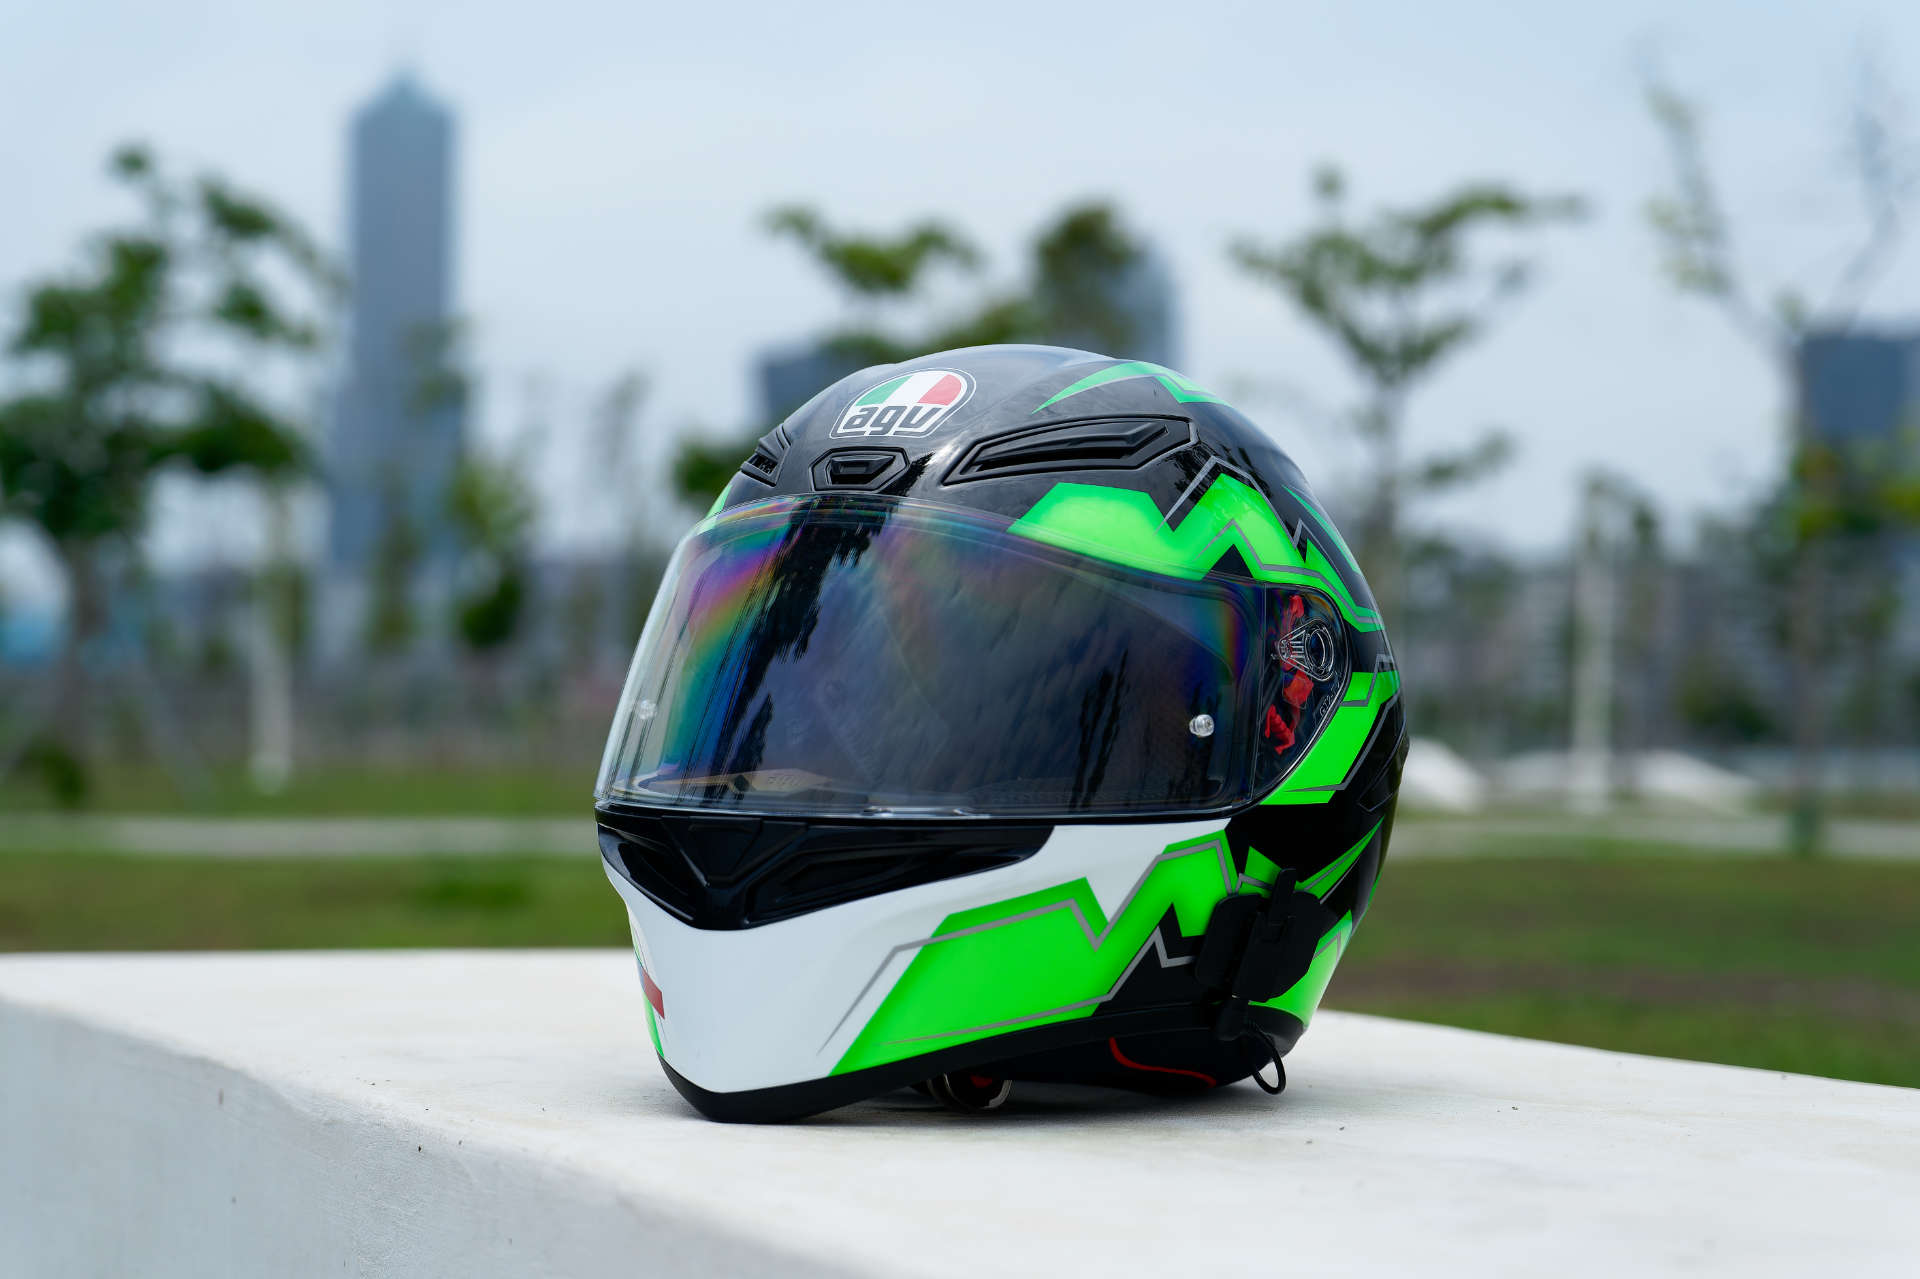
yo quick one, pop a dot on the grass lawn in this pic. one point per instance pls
(527, 789)
(1788, 965)
(1802, 966)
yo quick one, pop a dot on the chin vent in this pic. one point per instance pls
(1107, 443)
(723, 872)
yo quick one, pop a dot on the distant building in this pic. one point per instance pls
(1143, 293)
(398, 423)
(789, 376)
(1861, 395)
(1864, 389)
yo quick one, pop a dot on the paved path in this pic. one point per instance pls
(499, 1113)
(1413, 836)
(1750, 834)
(301, 836)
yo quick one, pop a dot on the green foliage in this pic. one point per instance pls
(491, 506)
(1478, 460)
(1398, 294)
(702, 466)
(1379, 290)
(59, 770)
(391, 624)
(1079, 264)
(109, 402)
(1071, 295)
(126, 365)
(435, 355)
(489, 616)
(1689, 224)
(1718, 706)
(870, 265)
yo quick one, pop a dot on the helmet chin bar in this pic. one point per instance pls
(1019, 1056)
(1255, 948)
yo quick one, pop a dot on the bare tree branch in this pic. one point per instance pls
(1692, 228)
(1885, 179)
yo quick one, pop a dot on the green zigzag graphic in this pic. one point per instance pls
(1123, 526)
(1053, 955)
(1176, 385)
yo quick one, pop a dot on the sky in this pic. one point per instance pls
(615, 161)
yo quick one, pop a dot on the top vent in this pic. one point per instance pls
(858, 469)
(764, 464)
(1107, 443)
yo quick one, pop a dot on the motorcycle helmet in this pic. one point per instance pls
(1016, 713)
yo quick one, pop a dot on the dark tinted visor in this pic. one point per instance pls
(828, 655)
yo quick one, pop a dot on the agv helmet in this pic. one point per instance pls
(1017, 713)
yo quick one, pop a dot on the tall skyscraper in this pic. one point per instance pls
(399, 419)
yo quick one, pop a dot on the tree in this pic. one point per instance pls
(1828, 500)
(391, 626)
(1080, 264)
(492, 510)
(1399, 295)
(140, 361)
(1070, 294)
(871, 266)
(875, 269)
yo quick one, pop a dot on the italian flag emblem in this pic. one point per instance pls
(911, 404)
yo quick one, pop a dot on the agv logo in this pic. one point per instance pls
(911, 404)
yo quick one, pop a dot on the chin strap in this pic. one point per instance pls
(1256, 947)
(1263, 1041)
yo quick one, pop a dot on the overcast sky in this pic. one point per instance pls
(614, 160)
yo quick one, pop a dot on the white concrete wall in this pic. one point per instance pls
(497, 1113)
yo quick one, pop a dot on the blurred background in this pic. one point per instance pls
(360, 365)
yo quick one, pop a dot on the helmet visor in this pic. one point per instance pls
(838, 656)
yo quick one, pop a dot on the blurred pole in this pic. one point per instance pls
(269, 665)
(1813, 476)
(270, 761)
(1589, 766)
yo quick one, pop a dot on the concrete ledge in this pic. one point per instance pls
(480, 1113)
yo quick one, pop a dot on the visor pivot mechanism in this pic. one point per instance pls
(969, 1092)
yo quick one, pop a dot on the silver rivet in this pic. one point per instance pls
(1201, 726)
(645, 709)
